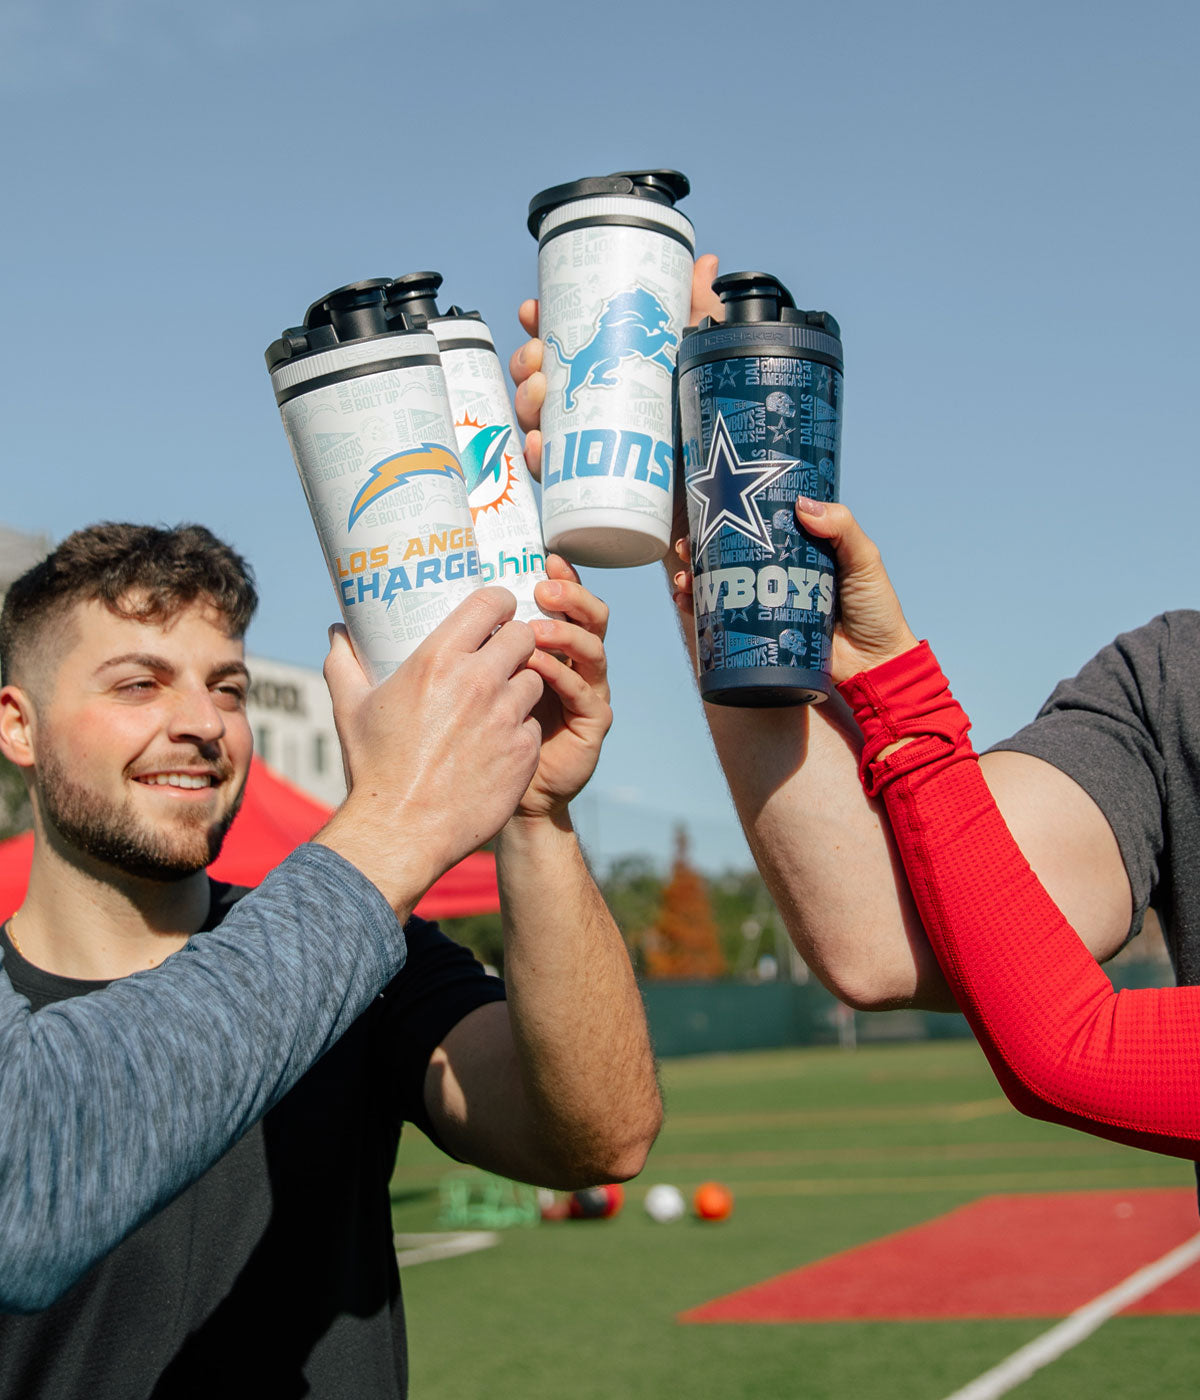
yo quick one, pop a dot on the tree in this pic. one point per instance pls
(632, 890)
(683, 941)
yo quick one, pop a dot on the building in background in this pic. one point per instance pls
(19, 552)
(292, 719)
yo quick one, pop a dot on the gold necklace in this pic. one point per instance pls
(12, 935)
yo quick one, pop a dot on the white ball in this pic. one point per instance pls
(665, 1203)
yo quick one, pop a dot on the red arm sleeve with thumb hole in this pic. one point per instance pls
(1064, 1045)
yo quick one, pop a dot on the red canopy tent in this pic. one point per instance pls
(275, 818)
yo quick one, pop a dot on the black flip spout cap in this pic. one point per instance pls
(661, 186)
(753, 296)
(412, 300)
(750, 297)
(357, 311)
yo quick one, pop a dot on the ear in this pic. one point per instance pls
(17, 723)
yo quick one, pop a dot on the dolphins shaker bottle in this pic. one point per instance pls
(760, 403)
(614, 283)
(368, 418)
(504, 505)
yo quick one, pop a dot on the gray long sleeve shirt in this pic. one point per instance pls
(110, 1104)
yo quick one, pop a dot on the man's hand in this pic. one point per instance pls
(438, 755)
(574, 712)
(870, 628)
(526, 363)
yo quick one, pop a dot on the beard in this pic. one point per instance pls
(114, 834)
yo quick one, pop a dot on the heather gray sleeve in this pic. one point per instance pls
(1102, 728)
(111, 1103)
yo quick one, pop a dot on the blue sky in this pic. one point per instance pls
(999, 204)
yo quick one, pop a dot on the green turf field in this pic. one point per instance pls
(825, 1149)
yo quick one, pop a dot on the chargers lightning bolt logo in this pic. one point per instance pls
(726, 489)
(630, 324)
(430, 459)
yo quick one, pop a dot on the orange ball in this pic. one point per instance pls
(713, 1201)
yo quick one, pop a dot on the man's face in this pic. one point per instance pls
(141, 744)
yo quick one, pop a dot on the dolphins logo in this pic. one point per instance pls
(430, 459)
(483, 456)
(487, 464)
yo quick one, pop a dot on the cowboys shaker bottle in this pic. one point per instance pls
(614, 283)
(760, 403)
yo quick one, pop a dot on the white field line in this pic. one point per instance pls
(1078, 1326)
(423, 1249)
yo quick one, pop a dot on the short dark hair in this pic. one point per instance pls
(137, 571)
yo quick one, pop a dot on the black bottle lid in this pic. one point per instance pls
(753, 296)
(662, 186)
(761, 318)
(412, 300)
(357, 311)
(756, 297)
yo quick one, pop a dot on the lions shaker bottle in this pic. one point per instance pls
(760, 402)
(503, 503)
(368, 418)
(614, 283)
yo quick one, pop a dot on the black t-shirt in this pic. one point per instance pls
(274, 1275)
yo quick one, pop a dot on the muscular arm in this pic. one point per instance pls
(827, 853)
(1064, 1045)
(829, 859)
(112, 1103)
(556, 1086)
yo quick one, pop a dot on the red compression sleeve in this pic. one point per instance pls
(1063, 1044)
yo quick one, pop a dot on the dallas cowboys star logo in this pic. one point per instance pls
(726, 488)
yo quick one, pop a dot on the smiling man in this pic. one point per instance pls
(135, 722)
(114, 1101)
(275, 1273)
(108, 703)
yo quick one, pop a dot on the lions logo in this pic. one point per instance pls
(632, 324)
(430, 459)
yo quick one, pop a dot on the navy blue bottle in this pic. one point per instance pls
(759, 415)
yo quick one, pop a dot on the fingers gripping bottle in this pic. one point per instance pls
(614, 280)
(367, 415)
(504, 505)
(760, 411)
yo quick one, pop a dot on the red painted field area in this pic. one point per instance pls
(1001, 1256)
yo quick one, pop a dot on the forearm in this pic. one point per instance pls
(114, 1102)
(1063, 1044)
(580, 1041)
(825, 851)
